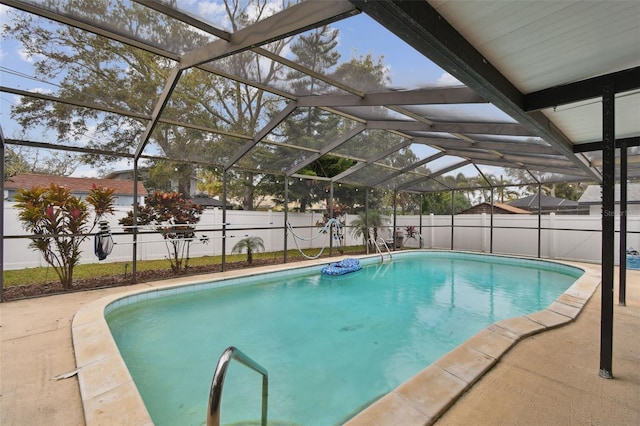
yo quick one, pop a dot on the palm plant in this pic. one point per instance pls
(250, 244)
(366, 226)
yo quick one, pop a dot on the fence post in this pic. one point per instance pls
(552, 235)
(483, 224)
(285, 231)
(431, 229)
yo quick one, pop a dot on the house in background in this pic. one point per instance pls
(79, 187)
(209, 202)
(549, 204)
(592, 197)
(498, 208)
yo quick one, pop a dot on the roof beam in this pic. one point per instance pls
(85, 150)
(633, 160)
(410, 167)
(169, 86)
(125, 113)
(76, 103)
(184, 17)
(515, 147)
(509, 129)
(597, 146)
(327, 148)
(55, 16)
(435, 96)
(535, 168)
(622, 81)
(275, 121)
(67, 148)
(308, 71)
(432, 176)
(422, 27)
(372, 159)
(474, 155)
(558, 161)
(293, 20)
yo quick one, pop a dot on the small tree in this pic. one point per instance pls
(366, 227)
(173, 217)
(250, 244)
(59, 221)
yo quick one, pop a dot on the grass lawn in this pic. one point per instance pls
(43, 274)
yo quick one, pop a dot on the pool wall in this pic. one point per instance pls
(110, 396)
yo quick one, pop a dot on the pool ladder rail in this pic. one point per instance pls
(379, 250)
(215, 395)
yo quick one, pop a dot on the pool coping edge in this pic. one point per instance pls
(421, 401)
(416, 401)
(95, 350)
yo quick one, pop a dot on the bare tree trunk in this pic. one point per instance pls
(247, 202)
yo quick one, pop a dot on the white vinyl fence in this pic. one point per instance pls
(562, 237)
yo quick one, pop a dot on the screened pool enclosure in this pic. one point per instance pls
(332, 101)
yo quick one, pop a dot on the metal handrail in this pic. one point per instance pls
(372, 241)
(379, 250)
(215, 396)
(387, 247)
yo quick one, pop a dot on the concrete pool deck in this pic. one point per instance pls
(548, 378)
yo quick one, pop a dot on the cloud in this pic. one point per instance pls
(270, 8)
(29, 58)
(41, 90)
(3, 13)
(93, 172)
(211, 9)
(24, 56)
(447, 79)
(215, 12)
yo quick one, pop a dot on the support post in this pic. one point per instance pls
(453, 213)
(286, 217)
(366, 219)
(395, 206)
(491, 225)
(331, 228)
(421, 240)
(622, 280)
(608, 231)
(134, 260)
(539, 219)
(223, 267)
(432, 230)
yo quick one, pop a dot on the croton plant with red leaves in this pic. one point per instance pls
(60, 222)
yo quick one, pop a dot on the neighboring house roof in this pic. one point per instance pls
(118, 174)
(206, 201)
(593, 194)
(77, 185)
(497, 208)
(546, 203)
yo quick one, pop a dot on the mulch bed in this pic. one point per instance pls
(50, 288)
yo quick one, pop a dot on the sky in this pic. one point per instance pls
(359, 35)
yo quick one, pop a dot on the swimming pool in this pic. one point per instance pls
(380, 325)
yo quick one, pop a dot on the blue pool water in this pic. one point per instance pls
(332, 344)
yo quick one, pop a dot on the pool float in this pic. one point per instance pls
(342, 267)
